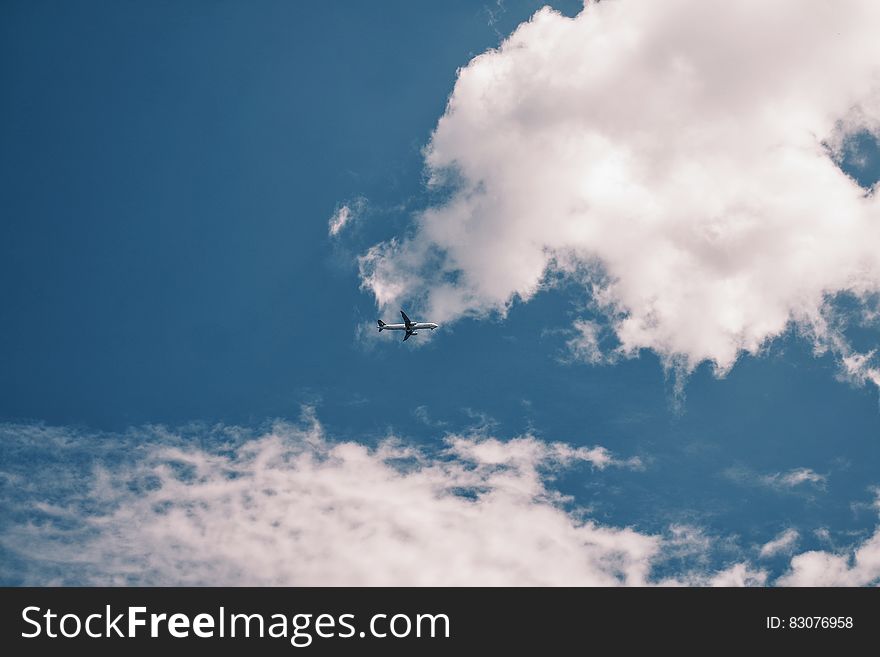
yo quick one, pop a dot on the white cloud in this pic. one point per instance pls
(823, 534)
(227, 506)
(677, 158)
(525, 452)
(584, 346)
(687, 539)
(784, 542)
(292, 507)
(796, 478)
(860, 368)
(739, 574)
(339, 219)
(344, 215)
(858, 566)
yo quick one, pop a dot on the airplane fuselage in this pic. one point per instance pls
(413, 327)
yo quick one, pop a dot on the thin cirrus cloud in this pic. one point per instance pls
(338, 220)
(344, 215)
(680, 160)
(782, 544)
(289, 505)
(796, 479)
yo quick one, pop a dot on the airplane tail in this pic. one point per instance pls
(381, 324)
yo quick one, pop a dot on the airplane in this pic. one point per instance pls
(408, 325)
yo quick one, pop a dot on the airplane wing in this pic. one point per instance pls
(406, 337)
(406, 319)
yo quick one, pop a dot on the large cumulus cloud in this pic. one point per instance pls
(680, 159)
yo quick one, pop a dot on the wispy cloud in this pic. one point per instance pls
(783, 543)
(339, 219)
(423, 415)
(344, 215)
(584, 346)
(794, 479)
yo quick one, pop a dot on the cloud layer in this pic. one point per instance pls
(291, 507)
(288, 506)
(679, 159)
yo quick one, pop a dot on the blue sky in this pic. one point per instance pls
(168, 171)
